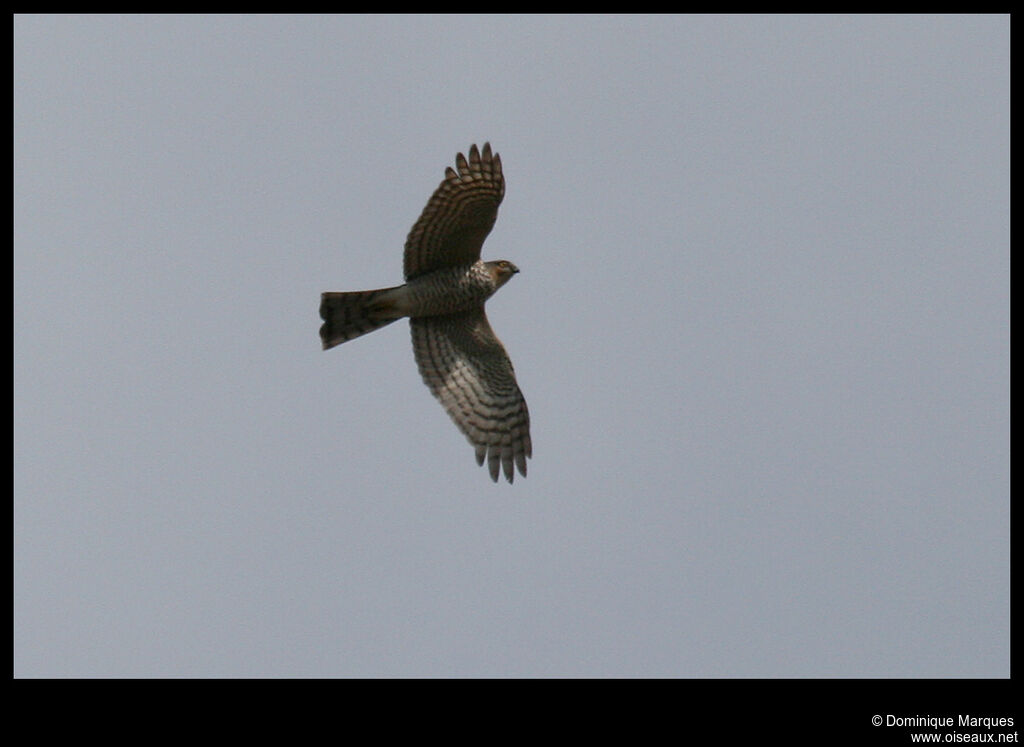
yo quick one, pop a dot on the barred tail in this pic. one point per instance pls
(349, 315)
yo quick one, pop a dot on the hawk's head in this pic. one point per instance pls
(501, 271)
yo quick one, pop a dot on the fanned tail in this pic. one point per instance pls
(349, 315)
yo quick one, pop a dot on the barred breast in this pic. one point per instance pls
(448, 290)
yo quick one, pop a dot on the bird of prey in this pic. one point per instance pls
(446, 285)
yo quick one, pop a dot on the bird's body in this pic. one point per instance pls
(461, 360)
(446, 291)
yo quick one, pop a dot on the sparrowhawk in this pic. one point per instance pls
(460, 359)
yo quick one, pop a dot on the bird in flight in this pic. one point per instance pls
(446, 285)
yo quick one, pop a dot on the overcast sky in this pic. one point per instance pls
(762, 325)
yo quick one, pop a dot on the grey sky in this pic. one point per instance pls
(762, 325)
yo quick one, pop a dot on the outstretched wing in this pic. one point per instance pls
(460, 214)
(468, 370)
